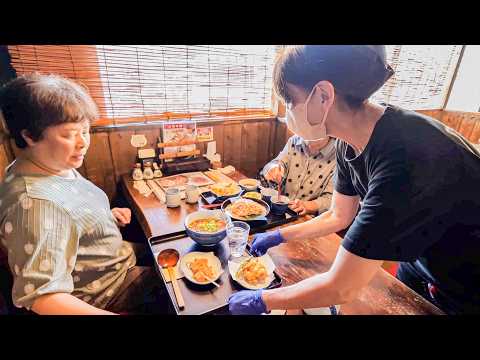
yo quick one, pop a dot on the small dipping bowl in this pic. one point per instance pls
(249, 184)
(279, 204)
(267, 194)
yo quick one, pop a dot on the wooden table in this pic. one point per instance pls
(154, 217)
(295, 260)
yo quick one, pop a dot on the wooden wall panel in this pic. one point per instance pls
(466, 123)
(450, 120)
(264, 151)
(82, 170)
(232, 145)
(4, 161)
(123, 153)
(99, 164)
(437, 114)
(249, 144)
(475, 134)
(271, 142)
(218, 136)
(281, 137)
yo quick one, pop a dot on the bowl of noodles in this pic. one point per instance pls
(206, 227)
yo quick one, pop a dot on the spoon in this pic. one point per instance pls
(168, 258)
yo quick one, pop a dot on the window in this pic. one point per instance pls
(465, 94)
(147, 83)
(423, 74)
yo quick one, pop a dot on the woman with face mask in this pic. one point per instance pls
(305, 170)
(417, 208)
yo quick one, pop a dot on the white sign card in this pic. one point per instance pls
(138, 140)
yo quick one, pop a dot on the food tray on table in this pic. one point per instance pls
(269, 221)
(200, 299)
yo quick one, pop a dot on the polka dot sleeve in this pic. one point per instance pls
(42, 241)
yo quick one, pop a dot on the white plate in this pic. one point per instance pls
(237, 188)
(261, 216)
(213, 261)
(265, 260)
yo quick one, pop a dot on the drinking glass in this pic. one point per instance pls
(237, 234)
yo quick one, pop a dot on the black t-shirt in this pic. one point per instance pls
(420, 185)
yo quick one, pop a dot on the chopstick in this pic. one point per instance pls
(205, 275)
(209, 279)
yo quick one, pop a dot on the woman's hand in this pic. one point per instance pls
(275, 173)
(122, 215)
(262, 242)
(303, 207)
(247, 302)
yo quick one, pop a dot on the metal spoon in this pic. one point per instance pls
(168, 258)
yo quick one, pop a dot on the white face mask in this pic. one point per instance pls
(298, 122)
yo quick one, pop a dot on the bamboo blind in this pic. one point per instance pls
(423, 74)
(145, 83)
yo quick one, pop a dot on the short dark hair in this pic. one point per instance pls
(302, 66)
(35, 102)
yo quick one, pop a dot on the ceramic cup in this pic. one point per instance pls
(279, 204)
(267, 193)
(173, 197)
(193, 194)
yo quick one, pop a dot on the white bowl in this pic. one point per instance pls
(213, 261)
(245, 183)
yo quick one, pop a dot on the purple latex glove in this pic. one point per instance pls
(247, 302)
(262, 242)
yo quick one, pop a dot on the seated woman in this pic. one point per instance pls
(305, 169)
(65, 251)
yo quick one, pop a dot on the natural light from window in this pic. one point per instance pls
(187, 79)
(465, 95)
